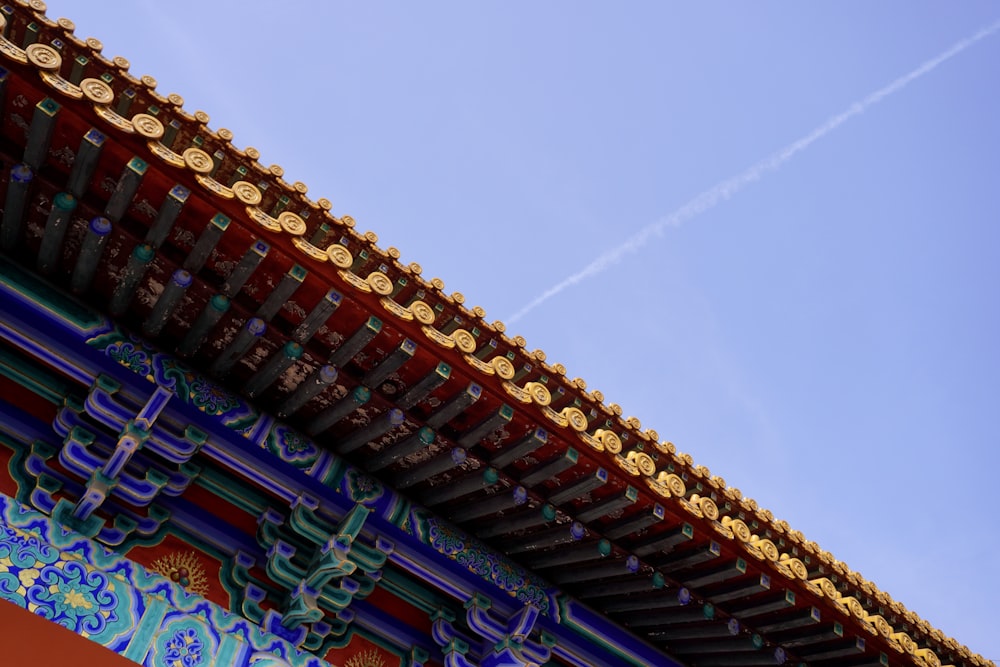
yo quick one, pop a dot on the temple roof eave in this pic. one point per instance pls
(314, 251)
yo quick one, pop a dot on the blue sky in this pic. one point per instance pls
(826, 339)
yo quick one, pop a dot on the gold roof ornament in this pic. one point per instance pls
(182, 153)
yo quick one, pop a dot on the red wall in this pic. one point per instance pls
(26, 639)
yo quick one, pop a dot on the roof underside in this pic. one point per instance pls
(215, 257)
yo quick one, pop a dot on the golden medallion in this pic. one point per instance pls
(97, 91)
(248, 193)
(148, 126)
(43, 57)
(340, 256)
(380, 283)
(198, 160)
(465, 341)
(292, 223)
(423, 312)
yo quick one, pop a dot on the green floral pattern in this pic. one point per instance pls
(363, 489)
(291, 446)
(128, 355)
(211, 398)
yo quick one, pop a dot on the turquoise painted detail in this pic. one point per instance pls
(210, 398)
(362, 488)
(77, 583)
(37, 577)
(182, 642)
(320, 568)
(133, 358)
(291, 446)
(150, 621)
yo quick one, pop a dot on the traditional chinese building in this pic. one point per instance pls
(237, 432)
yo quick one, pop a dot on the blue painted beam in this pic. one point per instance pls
(57, 335)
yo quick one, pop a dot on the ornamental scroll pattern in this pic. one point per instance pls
(210, 398)
(482, 561)
(39, 578)
(142, 359)
(80, 585)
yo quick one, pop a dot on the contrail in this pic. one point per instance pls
(726, 189)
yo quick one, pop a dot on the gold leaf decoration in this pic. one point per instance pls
(710, 510)
(464, 340)
(612, 443)
(97, 91)
(44, 57)
(370, 658)
(423, 313)
(148, 126)
(380, 283)
(766, 547)
(503, 367)
(292, 223)
(576, 419)
(739, 528)
(539, 393)
(340, 256)
(644, 463)
(248, 193)
(198, 160)
(184, 569)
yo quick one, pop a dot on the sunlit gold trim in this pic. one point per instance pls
(504, 368)
(112, 118)
(62, 85)
(576, 419)
(464, 340)
(591, 441)
(263, 219)
(97, 91)
(248, 193)
(554, 416)
(481, 366)
(148, 126)
(165, 154)
(357, 282)
(309, 249)
(424, 313)
(292, 223)
(10, 50)
(516, 392)
(44, 57)
(215, 187)
(198, 160)
(380, 283)
(539, 393)
(438, 338)
(396, 309)
(340, 256)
